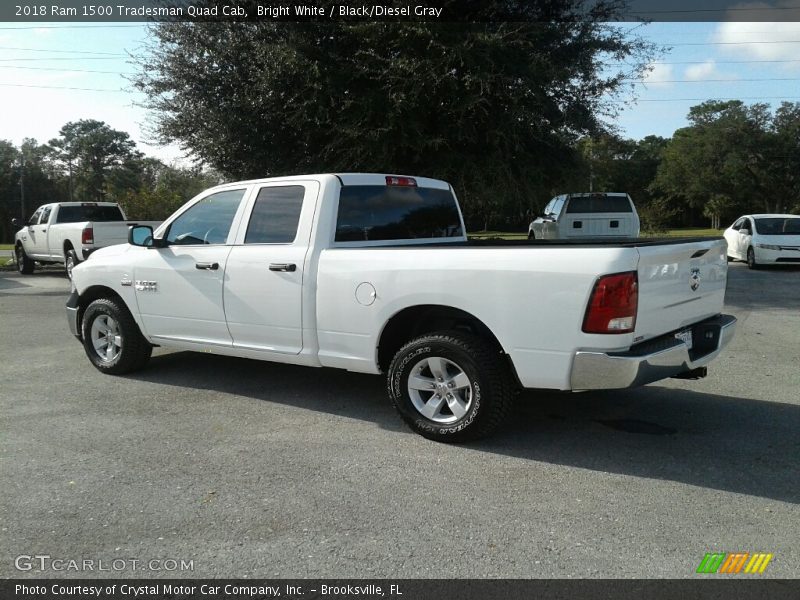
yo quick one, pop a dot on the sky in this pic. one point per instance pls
(39, 63)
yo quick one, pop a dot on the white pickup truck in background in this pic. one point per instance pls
(587, 215)
(68, 232)
(374, 274)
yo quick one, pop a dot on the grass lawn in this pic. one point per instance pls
(517, 235)
(6, 246)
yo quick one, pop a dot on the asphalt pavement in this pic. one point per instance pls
(252, 469)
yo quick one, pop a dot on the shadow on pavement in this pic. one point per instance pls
(726, 443)
(746, 288)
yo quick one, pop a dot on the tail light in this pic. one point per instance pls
(613, 304)
(87, 235)
(401, 181)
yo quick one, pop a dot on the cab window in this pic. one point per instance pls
(45, 218)
(557, 206)
(34, 220)
(275, 215)
(206, 222)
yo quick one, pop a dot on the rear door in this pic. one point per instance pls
(264, 276)
(179, 287)
(679, 284)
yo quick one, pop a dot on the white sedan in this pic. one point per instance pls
(764, 239)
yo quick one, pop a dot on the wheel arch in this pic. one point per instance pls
(414, 321)
(95, 292)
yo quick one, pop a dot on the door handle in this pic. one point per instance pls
(208, 266)
(286, 267)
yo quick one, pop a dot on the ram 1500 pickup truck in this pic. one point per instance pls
(68, 232)
(374, 274)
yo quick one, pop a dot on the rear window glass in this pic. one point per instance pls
(88, 212)
(275, 215)
(778, 226)
(379, 212)
(599, 204)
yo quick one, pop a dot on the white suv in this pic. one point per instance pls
(600, 214)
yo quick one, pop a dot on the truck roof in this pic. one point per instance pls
(349, 179)
(597, 194)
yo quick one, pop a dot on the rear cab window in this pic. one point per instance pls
(599, 203)
(88, 212)
(389, 212)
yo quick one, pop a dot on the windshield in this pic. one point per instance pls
(778, 226)
(88, 212)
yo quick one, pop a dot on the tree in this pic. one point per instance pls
(9, 186)
(162, 189)
(491, 107)
(733, 158)
(88, 149)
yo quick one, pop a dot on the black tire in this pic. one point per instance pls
(487, 398)
(531, 235)
(751, 258)
(133, 349)
(70, 260)
(24, 264)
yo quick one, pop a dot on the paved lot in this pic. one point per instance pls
(254, 469)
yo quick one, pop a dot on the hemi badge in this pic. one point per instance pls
(125, 281)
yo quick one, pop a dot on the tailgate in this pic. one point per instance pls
(109, 233)
(679, 284)
(610, 225)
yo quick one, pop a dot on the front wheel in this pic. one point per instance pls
(751, 258)
(451, 386)
(111, 338)
(24, 264)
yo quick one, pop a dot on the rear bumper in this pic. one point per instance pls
(653, 360)
(72, 315)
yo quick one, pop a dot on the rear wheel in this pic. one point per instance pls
(751, 258)
(70, 260)
(111, 338)
(531, 235)
(451, 386)
(24, 264)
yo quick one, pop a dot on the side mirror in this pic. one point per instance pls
(745, 231)
(141, 235)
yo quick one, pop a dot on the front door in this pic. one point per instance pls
(264, 276)
(39, 233)
(31, 235)
(179, 287)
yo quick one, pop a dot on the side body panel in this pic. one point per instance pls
(533, 300)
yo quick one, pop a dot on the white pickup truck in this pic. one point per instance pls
(68, 232)
(374, 274)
